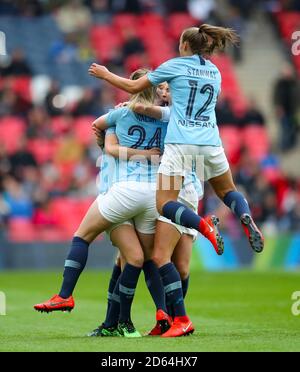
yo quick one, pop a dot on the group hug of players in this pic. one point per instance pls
(150, 187)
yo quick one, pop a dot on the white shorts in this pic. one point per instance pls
(189, 197)
(130, 201)
(179, 160)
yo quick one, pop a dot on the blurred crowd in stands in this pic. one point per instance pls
(50, 153)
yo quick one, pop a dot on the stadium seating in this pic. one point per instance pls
(134, 62)
(230, 86)
(60, 124)
(103, 40)
(21, 85)
(21, 230)
(256, 140)
(122, 22)
(82, 129)
(232, 142)
(42, 149)
(289, 22)
(178, 22)
(11, 130)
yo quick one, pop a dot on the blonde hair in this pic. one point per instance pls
(207, 39)
(145, 97)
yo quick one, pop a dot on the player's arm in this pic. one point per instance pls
(152, 111)
(99, 126)
(113, 148)
(130, 86)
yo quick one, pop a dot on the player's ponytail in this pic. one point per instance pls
(207, 39)
(147, 96)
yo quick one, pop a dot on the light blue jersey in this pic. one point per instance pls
(195, 84)
(138, 132)
(107, 166)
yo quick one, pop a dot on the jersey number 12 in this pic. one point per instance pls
(207, 88)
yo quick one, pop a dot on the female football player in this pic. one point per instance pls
(195, 84)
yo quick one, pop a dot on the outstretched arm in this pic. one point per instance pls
(113, 148)
(130, 86)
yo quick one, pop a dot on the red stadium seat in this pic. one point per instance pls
(124, 21)
(59, 124)
(134, 62)
(158, 59)
(121, 96)
(256, 140)
(11, 130)
(231, 138)
(83, 205)
(42, 149)
(69, 213)
(21, 85)
(151, 19)
(288, 23)
(52, 234)
(83, 129)
(66, 171)
(104, 39)
(61, 208)
(21, 230)
(230, 85)
(178, 22)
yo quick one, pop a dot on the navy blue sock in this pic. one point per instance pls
(185, 286)
(181, 214)
(237, 203)
(74, 265)
(128, 283)
(155, 285)
(112, 284)
(172, 283)
(112, 316)
(170, 310)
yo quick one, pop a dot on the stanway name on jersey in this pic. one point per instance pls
(197, 124)
(208, 74)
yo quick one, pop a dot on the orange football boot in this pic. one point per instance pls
(182, 326)
(163, 323)
(56, 303)
(209, 228)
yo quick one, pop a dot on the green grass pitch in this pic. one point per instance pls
(231, 311)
